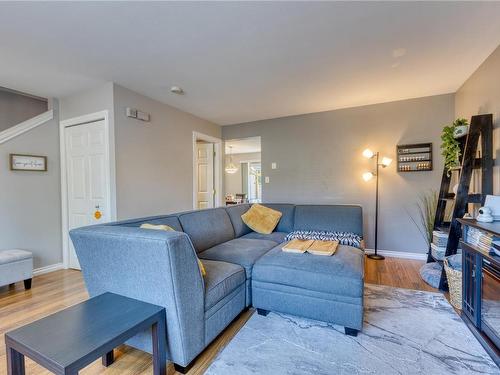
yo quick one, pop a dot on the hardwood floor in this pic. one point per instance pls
(57, 290)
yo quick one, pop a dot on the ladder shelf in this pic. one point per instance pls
(480, 132)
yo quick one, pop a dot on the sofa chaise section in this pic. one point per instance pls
(324, 288)
(329, 289)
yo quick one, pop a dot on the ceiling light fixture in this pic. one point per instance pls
(398, 52)
(177, 90)
(231, 168)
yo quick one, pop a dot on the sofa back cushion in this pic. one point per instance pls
(207, 228)
(170, 220)
(286, 222)
(235, 212)
(334, 218)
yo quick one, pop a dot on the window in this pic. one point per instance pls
(252, 181)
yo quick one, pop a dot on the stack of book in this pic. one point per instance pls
(439, 238)
(438, 245)
(479, 239)
(495, 246)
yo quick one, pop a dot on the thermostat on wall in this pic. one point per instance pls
(134, 113)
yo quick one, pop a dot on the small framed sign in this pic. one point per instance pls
(28, 163)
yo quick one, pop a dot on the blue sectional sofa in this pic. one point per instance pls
(244, 268)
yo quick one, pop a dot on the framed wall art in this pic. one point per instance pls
(31, 163)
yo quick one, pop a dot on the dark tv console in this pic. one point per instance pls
(481, 285)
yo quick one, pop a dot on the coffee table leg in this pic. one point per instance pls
(15, 362)
(159, 348)
(108, 359)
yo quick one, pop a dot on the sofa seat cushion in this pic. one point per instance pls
(340, 274)
(242, 251)
(277, 237)
(221, 279)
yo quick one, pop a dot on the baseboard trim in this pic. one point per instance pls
(398, 254)
(47, 269)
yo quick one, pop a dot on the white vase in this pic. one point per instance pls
(460, 131)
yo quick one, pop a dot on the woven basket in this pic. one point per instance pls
(454, 285)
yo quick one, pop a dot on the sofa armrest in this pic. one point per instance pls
(158, 267)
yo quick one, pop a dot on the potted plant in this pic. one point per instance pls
(450, 146)
(426, 206)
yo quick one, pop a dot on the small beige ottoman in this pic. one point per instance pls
(16, 265)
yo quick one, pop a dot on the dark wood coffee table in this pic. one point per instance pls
(69, 340)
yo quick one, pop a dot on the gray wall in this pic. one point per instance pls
(89, 101)
(480, 94)
(16, 108)
(232, 182)
(30, 203)
(319, 161)
(154, 160)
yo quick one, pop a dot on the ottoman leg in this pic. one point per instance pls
(108, 358)
(351, 331)
(27, 284)
(262, 312)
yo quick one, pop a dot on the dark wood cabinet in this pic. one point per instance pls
(469, 283)
(481, 284)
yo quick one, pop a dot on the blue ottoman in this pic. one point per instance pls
(16, 265)
(324, 288)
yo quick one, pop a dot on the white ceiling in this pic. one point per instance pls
(244, 61)
(243, 146)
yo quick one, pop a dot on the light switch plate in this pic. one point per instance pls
(266, 179)
(274, 165)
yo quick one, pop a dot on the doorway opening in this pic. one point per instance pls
(243, 178)
(207, 165)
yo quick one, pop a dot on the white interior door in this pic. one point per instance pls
(87, 178)
(205, 173)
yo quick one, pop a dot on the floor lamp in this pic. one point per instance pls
(367, 176)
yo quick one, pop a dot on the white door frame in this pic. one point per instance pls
(110, 170)
(217, 167)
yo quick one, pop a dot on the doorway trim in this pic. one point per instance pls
(197, 136)
(110, 170)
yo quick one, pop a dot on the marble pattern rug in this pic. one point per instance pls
(405, 332)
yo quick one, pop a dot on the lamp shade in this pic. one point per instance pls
(367, 176)
(386, 161)
(368, 153)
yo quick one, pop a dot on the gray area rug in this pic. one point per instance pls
(405, 332)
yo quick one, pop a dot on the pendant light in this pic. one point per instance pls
(231, 168)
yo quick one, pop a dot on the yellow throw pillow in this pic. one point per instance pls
(157, 227)
(261, 219)
(202, 268)
(168, 228)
